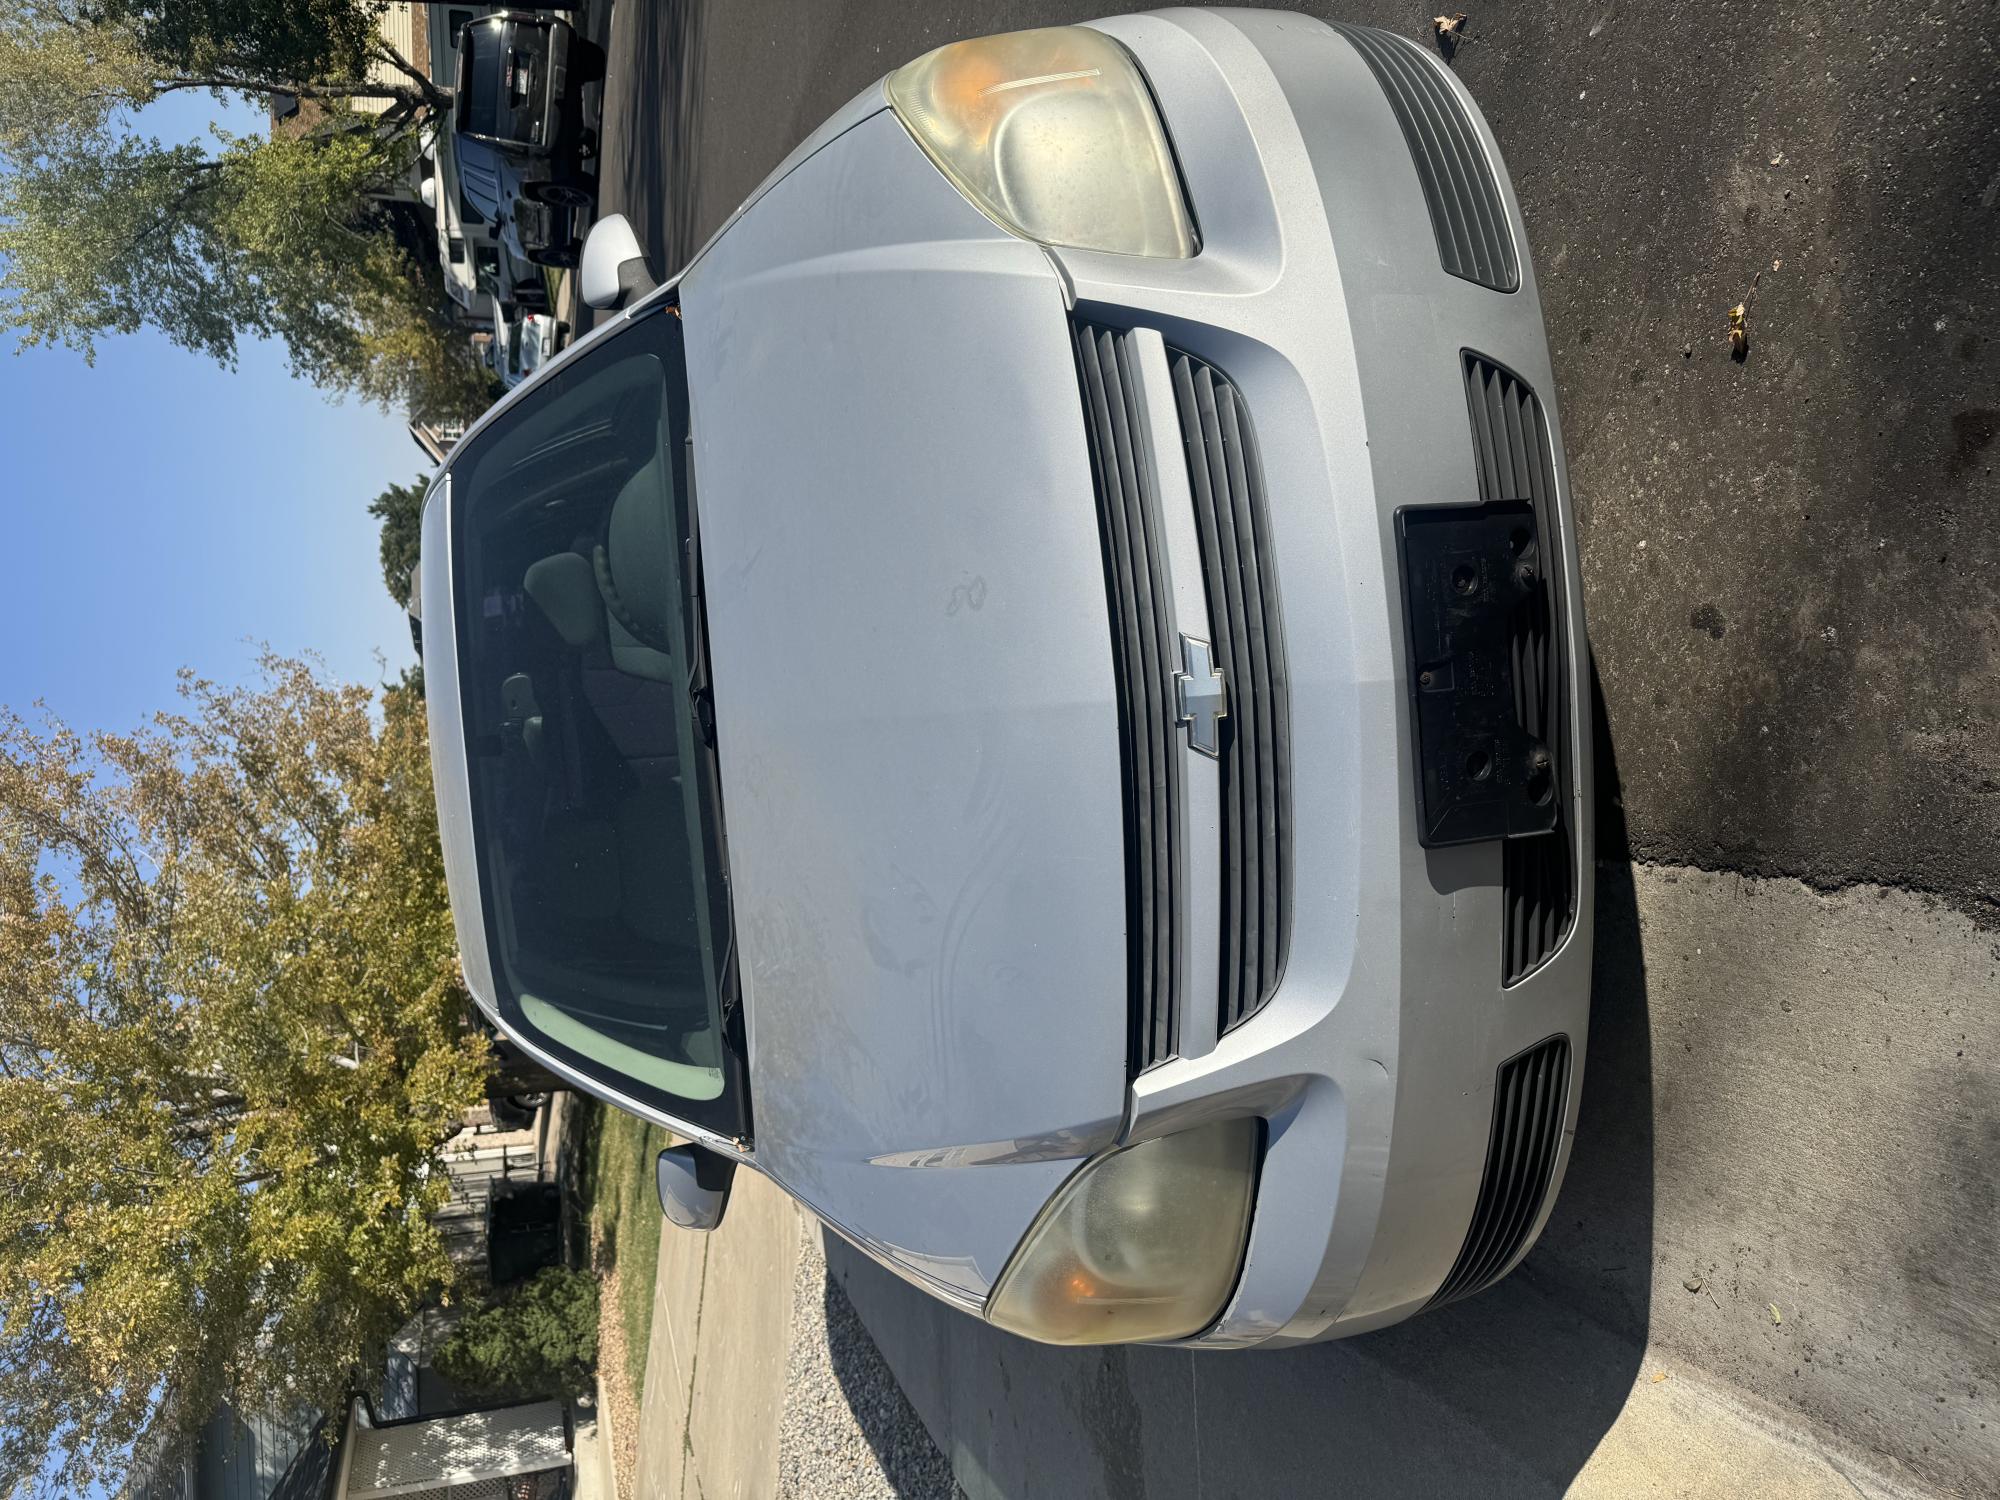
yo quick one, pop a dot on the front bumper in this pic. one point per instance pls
(540, 228)
(1321, 291)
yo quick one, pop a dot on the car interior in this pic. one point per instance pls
(576, 697)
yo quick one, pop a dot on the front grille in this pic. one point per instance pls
(1529, 1098)
(1467, 213)
(1144, 655)
(1510, 444)
(1233, 527)
(1235, 530)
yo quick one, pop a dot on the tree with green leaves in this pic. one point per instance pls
(233, 1041)
(400, 509)
(306, 39)
(307, 49)
(105, 230)
(540, 1339)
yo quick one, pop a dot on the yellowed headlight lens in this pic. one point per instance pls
(1143, 1244)
(1053, 135)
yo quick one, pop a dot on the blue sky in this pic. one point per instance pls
(159, 511)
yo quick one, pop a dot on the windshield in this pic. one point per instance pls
(502, 66)
(593, 800)
(479, 81)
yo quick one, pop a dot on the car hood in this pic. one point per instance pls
(915, 705)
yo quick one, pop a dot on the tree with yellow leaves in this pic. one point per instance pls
(233, 1038)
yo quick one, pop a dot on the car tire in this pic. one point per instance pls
(563, 192)
(562, 257)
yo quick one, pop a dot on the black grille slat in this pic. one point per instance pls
(1514, 460)
(1530, 1099)
(1249, 522)
(1194, 397)
(1233, 524)
(1144, 656)
(1243, 869)
(1467, 213)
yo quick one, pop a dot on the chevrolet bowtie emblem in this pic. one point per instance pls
(1201, 697)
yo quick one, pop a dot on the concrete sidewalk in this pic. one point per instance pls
(760, 1379)
(712, 1403)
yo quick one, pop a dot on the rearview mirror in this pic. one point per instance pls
(614, 270)
(694, 1186)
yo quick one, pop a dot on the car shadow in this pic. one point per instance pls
(1505, 1394)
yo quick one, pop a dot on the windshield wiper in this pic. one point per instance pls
(700, 697)
(701, 700)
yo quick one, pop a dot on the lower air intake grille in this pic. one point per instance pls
(1510, 444)
(1529, 1097)
(1467, 213)
(1235, 531)
(1145, 657)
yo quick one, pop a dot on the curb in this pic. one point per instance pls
(607, 1445)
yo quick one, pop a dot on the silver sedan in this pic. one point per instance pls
(1036, 693)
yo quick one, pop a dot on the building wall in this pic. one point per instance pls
(234, 1458)
(403, 26)
(442, 33)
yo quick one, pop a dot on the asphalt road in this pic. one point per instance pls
(1792, 564)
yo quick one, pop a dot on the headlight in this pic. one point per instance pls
(1143, 1244)
(1052, 135)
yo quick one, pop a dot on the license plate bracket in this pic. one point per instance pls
(1472, 580)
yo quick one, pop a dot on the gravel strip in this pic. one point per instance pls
(847, 1431)
(620, 1416)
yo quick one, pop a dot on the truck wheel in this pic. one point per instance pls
(562, 193)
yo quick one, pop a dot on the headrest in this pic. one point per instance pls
(565, 587)
(636, 566)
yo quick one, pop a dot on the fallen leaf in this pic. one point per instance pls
(1739, 332)
(1449, 27)
(1776, 1316)
(1692, 1283)
(1659, 1377)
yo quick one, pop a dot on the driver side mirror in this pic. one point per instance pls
(614, 272)
(694, 1186)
